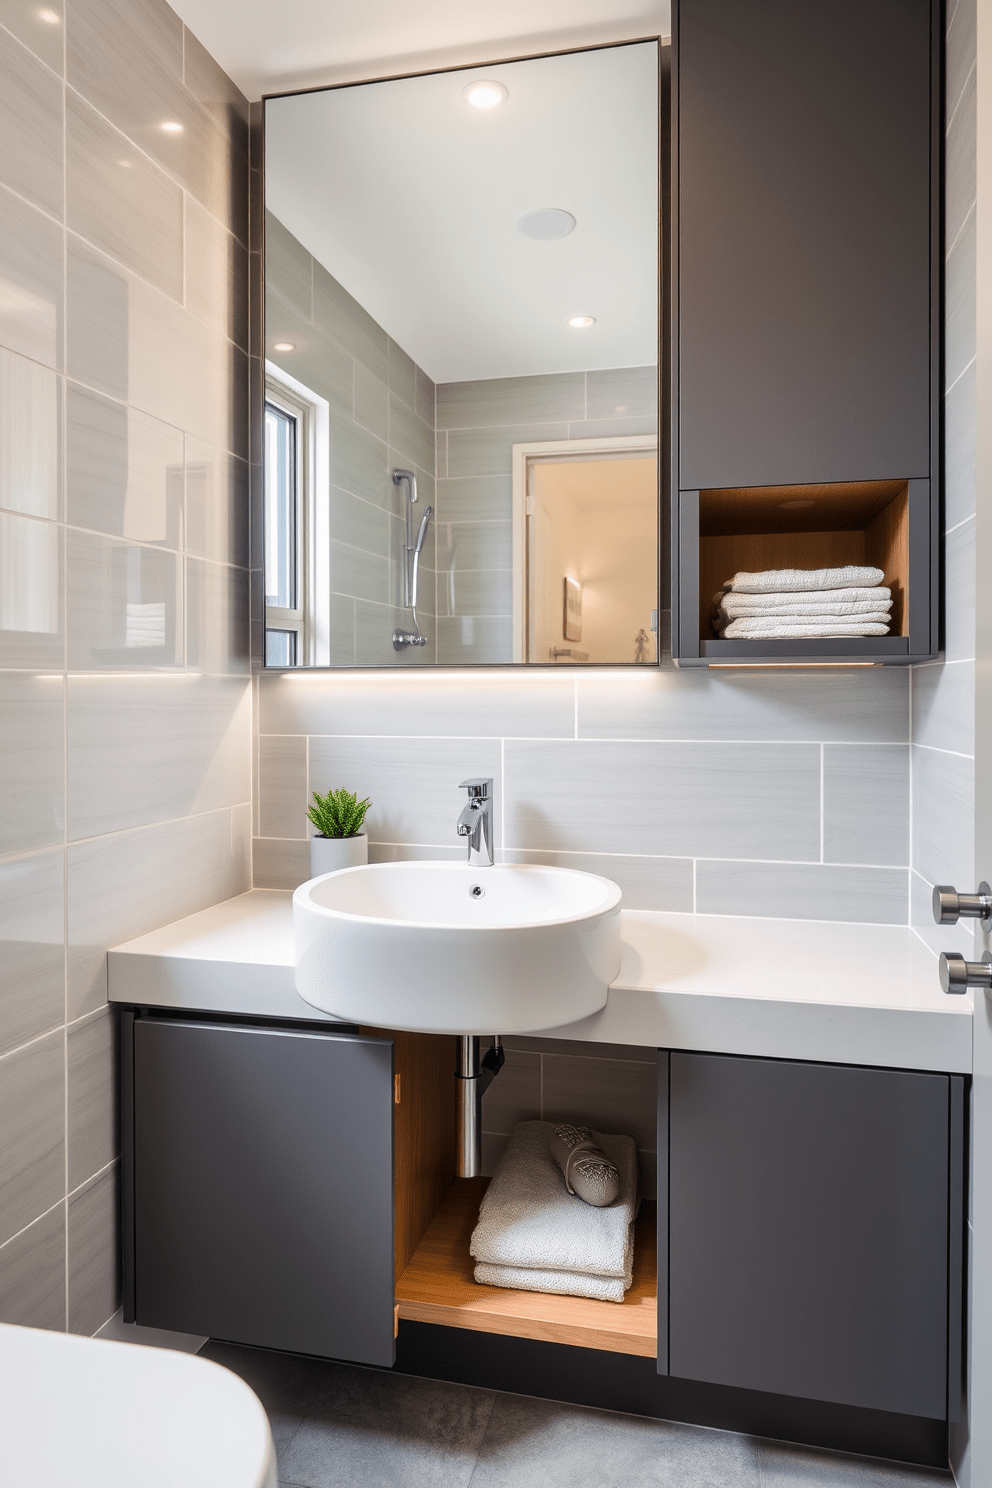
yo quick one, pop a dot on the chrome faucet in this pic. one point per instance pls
(476, 822)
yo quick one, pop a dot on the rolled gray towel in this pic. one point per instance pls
(587, 1169)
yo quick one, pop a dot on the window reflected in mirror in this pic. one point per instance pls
(461, 416)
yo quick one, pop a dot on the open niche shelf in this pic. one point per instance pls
(437, 1286)
(882, 524)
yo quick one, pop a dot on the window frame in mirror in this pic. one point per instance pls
(666, 273)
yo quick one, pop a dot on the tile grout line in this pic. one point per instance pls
(822, 749)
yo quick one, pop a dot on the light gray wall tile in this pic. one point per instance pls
(124, 470)
(32, 1121)
(341, 316)
(511, 400)
(124, 605)
(43, 37)
(359, 462)
(32, 948)
(215, 382)
(647, 883)
(121, 886)
(414, 789)
(134, 213)
(515, 1094)
(31, 127)
(398, 852)
(490, 451)
(959, 592)
(31, 560)
(32, 806)
(217, 503)
(32, 1275)
(94, 1249)
(959, 54)
(943, 788)
(479, 591)
(280, 864)
(959, 303)
(622, 391)
(30, 437)
(493, 1147)
(31, 262)
(959, 449)
(401, 373)
(316, 359)
(288, 267)
(804, 891)
(466, 704)
(476, 498)
(282, 784)
(409, 435)
(608, 1095)
(468, 545)
(216, 274)
(374, 626)
(371, 403)
(698, 704)
(92, 1109)
(359, 573)
(938, 937)
(734, 800)
(363, 524)
(944, 706)
(144, 750)
(211, 86)
(466, 640)
(426, 398)
(960, 161)
(216, 618)
(865, 794)
(644, 423)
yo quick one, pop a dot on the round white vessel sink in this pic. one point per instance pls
(448, 948)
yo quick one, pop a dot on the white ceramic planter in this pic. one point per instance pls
(328, 854)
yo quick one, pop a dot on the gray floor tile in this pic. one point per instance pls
(377, 1430)
(289, 1387)
(540, 1444)
(783, 1466)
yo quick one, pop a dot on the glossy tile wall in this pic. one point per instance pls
(943, 737)
(125, 713)
(381, 417)
(478, 424)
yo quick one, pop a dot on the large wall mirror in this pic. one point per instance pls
(461, 414)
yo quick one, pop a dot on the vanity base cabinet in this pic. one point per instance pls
(814, 1230)
(258, 1185)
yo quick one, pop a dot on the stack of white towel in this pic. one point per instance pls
(534, 1235)
(787, 603)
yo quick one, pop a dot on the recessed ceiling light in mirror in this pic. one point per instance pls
(484, 93)
(171, 126)
(50, 17)
(581, 322)
(284, 346)
(545, 224)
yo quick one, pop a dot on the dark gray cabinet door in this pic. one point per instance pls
(805, 285)
(808, 1230)
(259, 1170)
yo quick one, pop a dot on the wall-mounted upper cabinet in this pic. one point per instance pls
(805, 289)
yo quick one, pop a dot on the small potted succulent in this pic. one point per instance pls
(338, 840)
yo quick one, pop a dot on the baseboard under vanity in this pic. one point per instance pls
(628, 1383)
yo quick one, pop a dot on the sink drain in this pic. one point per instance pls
(477, 891)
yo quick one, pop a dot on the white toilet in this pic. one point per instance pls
(92, 1413)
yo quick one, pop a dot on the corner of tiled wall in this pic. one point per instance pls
(125, 716)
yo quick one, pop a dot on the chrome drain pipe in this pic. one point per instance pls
(473, 1077)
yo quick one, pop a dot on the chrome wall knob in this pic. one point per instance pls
(958, 975)
(949, 906)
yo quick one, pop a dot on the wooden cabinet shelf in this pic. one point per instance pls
(438, 1287)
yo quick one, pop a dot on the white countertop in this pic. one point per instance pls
(788, 989)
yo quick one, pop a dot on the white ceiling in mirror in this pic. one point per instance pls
(411, 198)
(306, 43)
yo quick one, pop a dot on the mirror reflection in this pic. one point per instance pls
(461, 416)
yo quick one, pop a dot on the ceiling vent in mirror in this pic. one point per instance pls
(546, 223)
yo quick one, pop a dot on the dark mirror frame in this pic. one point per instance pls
(666, 361)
